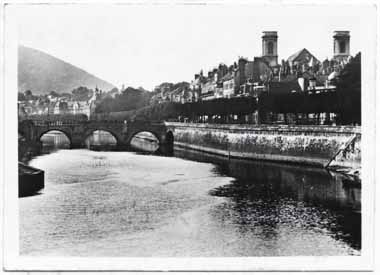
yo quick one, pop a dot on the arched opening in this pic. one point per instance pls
(54, 140)
(169, 144)
(169, 138)
(101, 140)
(145, 141)
(270, 47)
(342, 47)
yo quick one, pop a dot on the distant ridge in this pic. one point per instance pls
(42, 73)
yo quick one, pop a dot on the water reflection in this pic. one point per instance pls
(54, 140)
(101, 140)
(145, 142)
(193, 204)
(269, 195)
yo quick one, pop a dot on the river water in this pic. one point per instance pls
(191, 204)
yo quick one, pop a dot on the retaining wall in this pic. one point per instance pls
(312, 145)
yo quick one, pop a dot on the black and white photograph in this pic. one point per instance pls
(189, 136)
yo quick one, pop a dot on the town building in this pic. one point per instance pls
(60, 105)
(61, 108)
(196, 85)
(208, 86)
(300, 72)
(228, 85)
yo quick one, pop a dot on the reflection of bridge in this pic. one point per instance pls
(78, 130)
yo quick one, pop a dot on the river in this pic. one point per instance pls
(99, 203)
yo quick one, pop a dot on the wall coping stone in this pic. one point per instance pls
(270, 127)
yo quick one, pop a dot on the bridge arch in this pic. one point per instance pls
(62, 131)
(77, 131)
(91, 131)
(145, 140)
(135, 133)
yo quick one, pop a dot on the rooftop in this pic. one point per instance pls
(298, 53)
(341, 33)
(269, 33)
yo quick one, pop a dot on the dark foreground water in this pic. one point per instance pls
(128, 204)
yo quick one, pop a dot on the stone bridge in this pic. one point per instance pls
(77, 131)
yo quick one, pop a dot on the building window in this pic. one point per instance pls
(342, 46)
(270, 47)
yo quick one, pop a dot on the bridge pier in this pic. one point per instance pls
(77, 141)
(28, 149)
(77, 145)
(166, 146)
(165, 149)
(123, 146)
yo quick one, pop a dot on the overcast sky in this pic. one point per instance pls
(144, 45)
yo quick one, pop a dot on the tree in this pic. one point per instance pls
(81, 93)
(29, 95)
(105, 106)
(114, 91)
(349, 92)
(130, 99)
(21, 97)
(53, 93)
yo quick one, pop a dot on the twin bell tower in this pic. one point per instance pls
(341, 41)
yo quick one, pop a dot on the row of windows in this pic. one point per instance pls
(229, 85)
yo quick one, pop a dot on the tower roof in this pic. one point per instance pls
(269, 34)
(341, 34)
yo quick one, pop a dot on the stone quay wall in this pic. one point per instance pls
(310, 145)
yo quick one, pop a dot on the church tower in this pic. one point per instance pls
(270, 47)
(341, 44)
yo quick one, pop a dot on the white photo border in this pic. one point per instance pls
(12, 261)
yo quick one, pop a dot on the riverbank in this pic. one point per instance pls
(333, 147)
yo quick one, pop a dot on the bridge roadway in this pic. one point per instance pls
(78, 130)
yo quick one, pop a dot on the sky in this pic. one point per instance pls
(145, 45)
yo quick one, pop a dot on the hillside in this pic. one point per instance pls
(42, 73)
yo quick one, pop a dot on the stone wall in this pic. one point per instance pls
(350, 157)
(312, 145)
